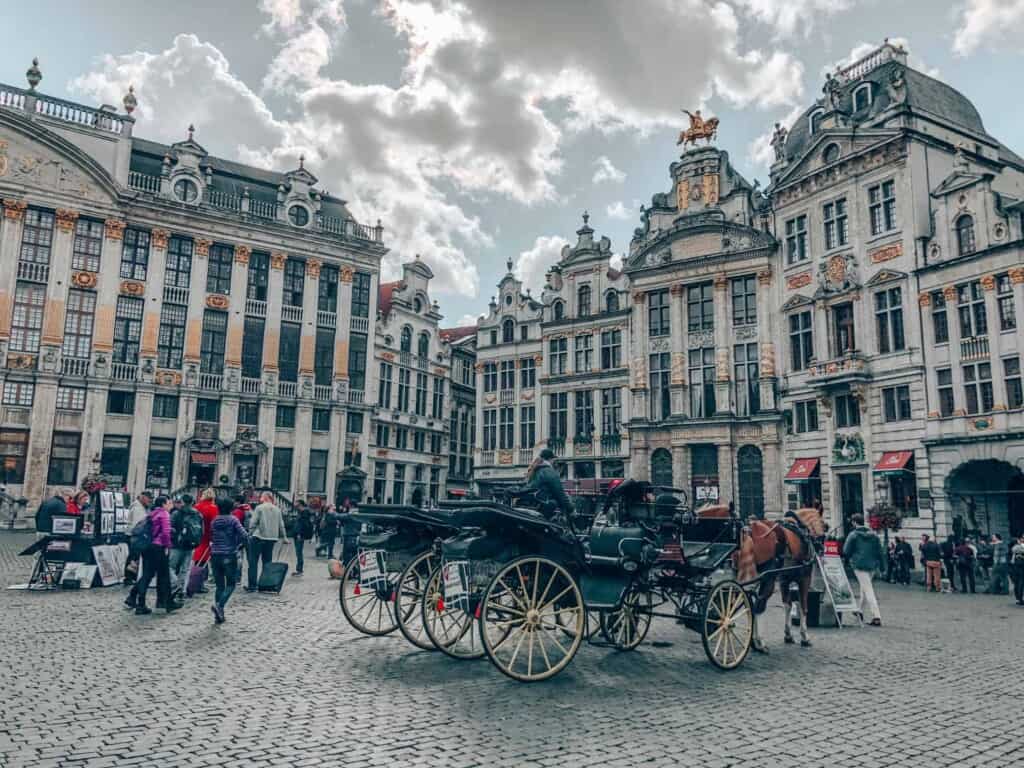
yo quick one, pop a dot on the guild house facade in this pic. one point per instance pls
(168, 317)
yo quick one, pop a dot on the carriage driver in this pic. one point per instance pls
(543, 477)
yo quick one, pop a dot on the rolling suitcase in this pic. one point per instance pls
(272, 576)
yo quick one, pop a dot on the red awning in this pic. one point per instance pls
(203, 457)
(456, 492)
(802, 471)
(894, 461)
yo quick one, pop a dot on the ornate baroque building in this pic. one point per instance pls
(462, 422)
(168, 317)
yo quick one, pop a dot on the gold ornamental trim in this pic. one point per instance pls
(66, 219)
(277, 260)
(202, 247)
(924, 299)
(113, 229)
(346, 274)
(764, 277)
(676, 289)
(639, 297)
(710, 188)
(886, 253)
(14, 209)
(132, 288)
(1017, 275)
(988, 282)
(84, 279)
(167, 378)
(242, 254)
(217, 301)
(313, 267)
(158, 238)
(721, 282)
(798, 281)
(949, 292)
(21, 362)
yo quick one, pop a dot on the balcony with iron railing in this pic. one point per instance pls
(255, 308)
(974, 348)
(74, 366)
(325, 319)
(291, 314)
(288, 389)
(359, 324)
(124, 371)
(33, 271)
(174, 294)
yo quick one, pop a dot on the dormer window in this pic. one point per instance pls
(611, 301)
(831, 153)
(965, 235)
(814, 121)
(862, 97)
(298, 216)
(558, 310)
(508, 330)
(186, 190)
(417, 306)
(583, 301)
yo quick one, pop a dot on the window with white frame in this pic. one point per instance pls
(171, 336)
(403, 388)
(421, 394)
(558, 423)
(660, 375)
(584, 352)
(889, 320)
(384, 386)
(837, 232)
(971, 309)
(947, 402)
(862, 97)
(583, 401)
(882, 207)
(658, 320)
(1005, 302)
(611, 349)
(611, 411)
(134, 254)
(801, 340)
(702, 382)
(527, 426)
(127, 329)
(78, 324)
(71, 398)
(744, 300)
(19, 393)
(1011, 375)
(27, 319)
(896, 403)
(583, 301)
(490, 377)
(847, 411)
(558, 358)
(700, 307)
(978, 396)
(507, 375)
(36, 236)
(218, 272)
(490, 429)
(87, 245)
(527, 373)
(506, 426)
(806, 416)
(940, 320)
(748, 392)
(796, 240)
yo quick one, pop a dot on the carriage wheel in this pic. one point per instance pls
(627, 626)
(593, 624)
(727, 627)
(533, 619)
(368, 610)
(408, 596)
(451, 630)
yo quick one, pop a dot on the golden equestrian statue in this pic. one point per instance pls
(699, 129)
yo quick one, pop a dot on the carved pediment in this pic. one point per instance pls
(885, 276)
(958, 180)
(849, 143)
(799, 300)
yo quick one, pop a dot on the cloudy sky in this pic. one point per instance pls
(479, 131)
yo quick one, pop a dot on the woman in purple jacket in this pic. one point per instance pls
(154, 560)
(226, 536)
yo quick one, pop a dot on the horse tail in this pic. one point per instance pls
(746, 562)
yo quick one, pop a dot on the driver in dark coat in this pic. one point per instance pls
(543, 477)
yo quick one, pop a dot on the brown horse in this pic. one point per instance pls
(770, 545)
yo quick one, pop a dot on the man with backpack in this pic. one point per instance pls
(964, 554)
(302, 532)
(186, 533)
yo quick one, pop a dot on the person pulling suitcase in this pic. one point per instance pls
(266, 527)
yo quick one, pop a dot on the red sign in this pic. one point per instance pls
(894, 461)
(202, 457)
(802, 471)
(832, 548)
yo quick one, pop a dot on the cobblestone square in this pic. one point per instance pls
(286, 682)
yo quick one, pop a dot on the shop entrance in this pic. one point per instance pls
(202, 468)
(851, 497)
(245, 471)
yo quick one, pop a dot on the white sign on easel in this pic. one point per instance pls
(837, 584)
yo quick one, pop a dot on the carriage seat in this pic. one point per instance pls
(617, 541)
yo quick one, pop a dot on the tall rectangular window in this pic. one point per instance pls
(357, 361)
(490, 429)
(323, 358)
(801, 340)
(527, 373)
(847, 411)
(527, 426)
(354, 423)
(281, 470)
(421, 394)
(940, 322)
(882, 207)
(971, 308)
(558, 426)
(36, 236)
(160, 464)
(252, 347)
(398, 488)
(115, 457)
(611, 411)
(70, 398)
(360, 295)
(134, 254)
(327, 290)
(64, 458)
(317, 472)
(321, 419)
(611, 349)
(166, 407)
(506, 426)
(294, 282)
(748, 391)
(380, 481)
(215, 334)
(947, 403)
(383, 435)
(896, 403)
(584, 405)
(843, 328)
(658, 321)
(288, 352)
(806, 412)
(218, 271)
(836, 227)
(171, 336)
(87, 245)
(700, 307)
(78, 324)
(1005, 302)
(702, 383)
(20, 393)
(437, 405)
(660, 372)
(27, 320)
(744, 300)
(978, 388)
(404, 378)
(490, 377)
(584, 353)
(122, 402)
(384, 386)
(558, 358)
(1011, 373)
(889, 320)
(127, 329)
(508, 374)
(208, 410)
(796, 240)
(258, 276)
(178, 267)
(13, 450)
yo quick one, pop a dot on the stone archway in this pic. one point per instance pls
(982, 493)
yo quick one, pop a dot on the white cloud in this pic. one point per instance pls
(466, 319)
(532, 265)
(618, 210)
(760, 151)
(617, 260)
(992, 22)
(606, 171)
(785, 16)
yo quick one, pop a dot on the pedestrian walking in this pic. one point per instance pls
(186, 533)
(227, 536)
(863, 550)
(1017, 569)
(904, 560)
(892, 560)
(137, 512)
(328, 531)
(985, 557)
(154, 560)
(998, 585)
(266, 528)
(931, 556)
(350, 528)
(303, 532)
(207, 507)
(964, 553)
(948, 561)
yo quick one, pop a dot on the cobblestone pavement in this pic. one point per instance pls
(287, 683)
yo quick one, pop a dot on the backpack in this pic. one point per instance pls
(964, 558)
(141, 537)
(191, 532)
(1018, 557)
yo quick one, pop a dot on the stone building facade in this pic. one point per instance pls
(462, 421)
(899, 257)
(168, 317)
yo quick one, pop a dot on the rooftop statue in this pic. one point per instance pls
(699, 129)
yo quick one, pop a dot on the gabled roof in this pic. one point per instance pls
(385, 294)
(459, 332)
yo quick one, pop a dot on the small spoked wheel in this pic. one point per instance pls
(626, 626)
(533, 619)
(449, 628)
(369, 610)
(408, 597)
(727, 627)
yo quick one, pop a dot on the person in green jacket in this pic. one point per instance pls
(543, 477)
(863, 550)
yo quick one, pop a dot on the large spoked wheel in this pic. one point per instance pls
(627, 626)
(727, 627)
(412, 583)
(450, 629)
(368, 610)
(533, 619)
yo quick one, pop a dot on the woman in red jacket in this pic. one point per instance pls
(207, 507)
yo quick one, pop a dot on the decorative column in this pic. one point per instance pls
(952, 322)
(271, 346)
(231, 387)
(766, 340)
(819, 318)
(723, 403)
(307, 357)
(341, 333)
(638, 353)
(677, 342)
(10, 243)
(726, 474)
(196, 307)
(924, 303)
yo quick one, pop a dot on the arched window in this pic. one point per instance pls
(611, 301)
(831, 153)
(862, 97)
(661, 468)
(406, 339)
(965, 235)
(583, 301)
(423, 345)
(558, 310)
(508, 330)
(751, 482)
(417, 305)
(815, 121)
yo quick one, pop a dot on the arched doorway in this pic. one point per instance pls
(661, 468)
(750, 468)
(986, 496)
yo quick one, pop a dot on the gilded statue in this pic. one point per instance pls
(699, 129)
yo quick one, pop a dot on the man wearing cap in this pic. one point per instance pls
(543, 477)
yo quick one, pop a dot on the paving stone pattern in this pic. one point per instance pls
(286, 682)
